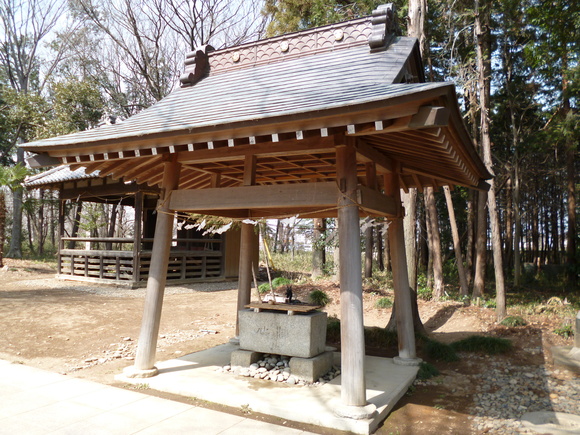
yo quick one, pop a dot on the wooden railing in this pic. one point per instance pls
(189, 260)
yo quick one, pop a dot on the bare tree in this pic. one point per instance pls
(23, 26)
(216, 22)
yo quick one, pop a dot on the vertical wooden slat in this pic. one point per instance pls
(353, 388)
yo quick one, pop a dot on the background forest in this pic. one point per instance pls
(70, 65)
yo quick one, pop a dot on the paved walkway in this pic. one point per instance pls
(34, 401)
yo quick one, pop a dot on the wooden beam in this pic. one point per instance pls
(375, 203)
(366, 153)
(43, 160)
(309, 145)
(248, 197)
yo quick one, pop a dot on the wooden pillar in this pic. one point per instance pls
(146, 348)
(353, 388)
(404, 314)
(246, 247)
(137, 230)
(61, 205)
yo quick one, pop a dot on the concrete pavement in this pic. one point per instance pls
(34, 401)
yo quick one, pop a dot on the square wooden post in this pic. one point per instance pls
(146, 347)
(246, 248)
(353, 386)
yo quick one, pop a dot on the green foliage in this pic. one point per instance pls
(294, 15)
(512, 321)
(427, 371)
(318, 297)
(565, 330)
(76, 105)
(13, 176)
(384, 303)
(423, 292)
(483, 344)
(264, 288)
(280, 281)
(295, 266)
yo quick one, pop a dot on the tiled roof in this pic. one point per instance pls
(334, 79)
(58, 174)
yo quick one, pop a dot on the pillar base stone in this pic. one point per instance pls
(407, 361)
(354, 412)
(133, 372)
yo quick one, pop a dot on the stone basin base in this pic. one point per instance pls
(301, 335)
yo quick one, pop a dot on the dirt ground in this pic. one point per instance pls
(90, 331)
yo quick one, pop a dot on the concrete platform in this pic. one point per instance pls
(567, 357)
(195, 375)
(37, 402)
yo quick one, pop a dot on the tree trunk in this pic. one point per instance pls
(15, 250)
(76, 224)
(318, 247)
(2, 225)
(433, 222)
(456, 243)
(380, 247)
(369, 251)
(517, 224)
(483, 50)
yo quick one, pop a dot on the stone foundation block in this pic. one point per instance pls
(311, 369)
(301, 335)
(244, 358)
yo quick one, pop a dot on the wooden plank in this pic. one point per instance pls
(299, 308)
(249, 197)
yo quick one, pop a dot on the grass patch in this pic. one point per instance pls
(439, 351)
(427, 371)
(480, 343)
(512, 321)
(318, 297)
(333, 329)
(565, 330)
(384, 303)
(380, 337)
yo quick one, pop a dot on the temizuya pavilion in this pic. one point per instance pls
(328, 122)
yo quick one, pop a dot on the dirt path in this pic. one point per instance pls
(90, 331)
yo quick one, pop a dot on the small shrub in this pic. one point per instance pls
(318, 297)
(280, 281)
(380, 337)
(333, 329)
(565, 330)
(384, 303)
(512, 321)
(479, 343)
(264, 288)
(424, 293)
(439, 351)
(427, 371)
